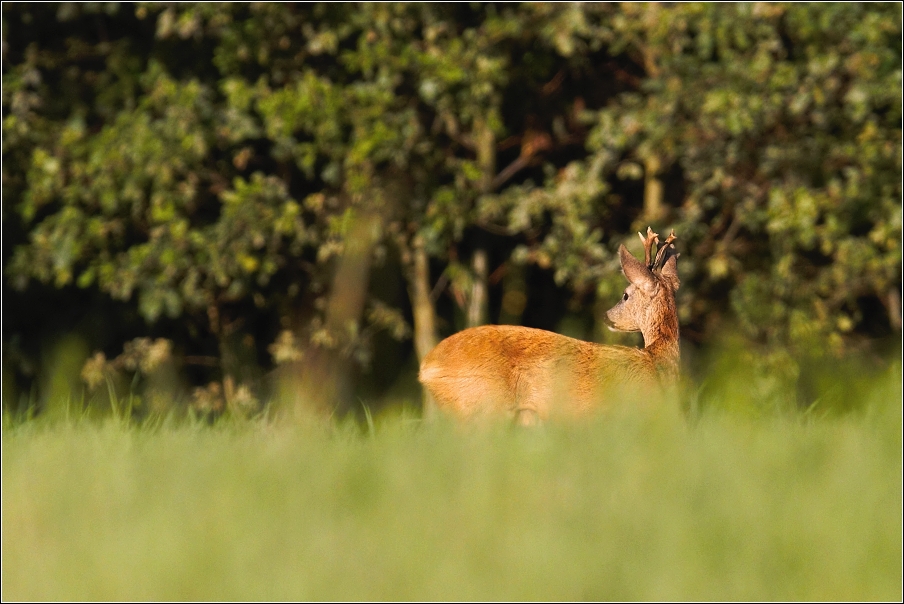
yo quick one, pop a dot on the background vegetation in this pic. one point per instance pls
(196, 193)
(214, 213)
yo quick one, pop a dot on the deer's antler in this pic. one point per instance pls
(661, 254)
(648, 242)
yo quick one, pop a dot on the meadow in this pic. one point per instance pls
(711, 504)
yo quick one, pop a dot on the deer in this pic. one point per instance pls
(531, 375)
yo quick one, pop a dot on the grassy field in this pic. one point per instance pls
(720, 506)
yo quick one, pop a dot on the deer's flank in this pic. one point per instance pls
(532, 375)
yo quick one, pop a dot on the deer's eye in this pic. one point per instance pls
(625, 297)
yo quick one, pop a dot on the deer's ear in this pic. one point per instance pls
(635, 271)
(670, 272)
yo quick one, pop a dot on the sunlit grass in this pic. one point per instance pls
(720, 506)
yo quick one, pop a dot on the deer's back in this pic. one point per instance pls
(500, 369)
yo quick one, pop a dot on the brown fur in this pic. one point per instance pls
(532, 374)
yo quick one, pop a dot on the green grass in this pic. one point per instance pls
(721, 506)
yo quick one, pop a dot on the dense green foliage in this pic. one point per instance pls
(214, 210)
(198, 172)
(630, 507)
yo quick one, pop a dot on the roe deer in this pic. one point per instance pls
(531, 374)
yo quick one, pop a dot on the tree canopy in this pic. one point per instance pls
(260, 183)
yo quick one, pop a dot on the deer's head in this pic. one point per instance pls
(649, 301)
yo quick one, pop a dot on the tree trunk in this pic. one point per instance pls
(425, 336)
(653, 208)
(894, 308)
(478, 307)
(486, 153)
(327, 380)
(478, 302)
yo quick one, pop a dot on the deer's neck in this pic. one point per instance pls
(661, 343)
